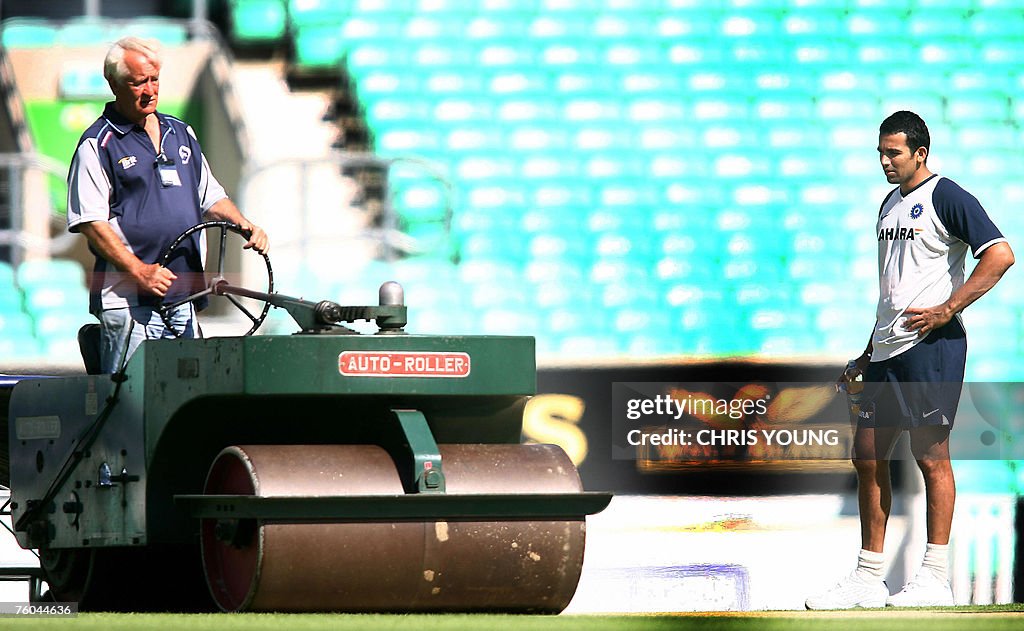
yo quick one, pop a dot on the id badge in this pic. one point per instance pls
(169, 176)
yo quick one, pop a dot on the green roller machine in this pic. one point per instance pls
(326, 470)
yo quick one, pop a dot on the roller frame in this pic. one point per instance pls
(390, 508)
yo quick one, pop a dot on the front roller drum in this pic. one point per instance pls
(510, 565)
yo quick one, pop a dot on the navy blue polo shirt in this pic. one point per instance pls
(147, 197)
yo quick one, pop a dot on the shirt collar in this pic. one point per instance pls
(122, 125)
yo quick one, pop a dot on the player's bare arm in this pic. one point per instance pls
(993, 263)
(151, 277)
(226, 210)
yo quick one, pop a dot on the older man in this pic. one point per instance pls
(137, 180)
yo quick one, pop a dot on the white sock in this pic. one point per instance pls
(871, 565)
(936, 559)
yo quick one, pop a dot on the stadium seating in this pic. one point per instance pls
(711, 165)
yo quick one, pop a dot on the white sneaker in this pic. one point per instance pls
(924, 590)
(853, 591)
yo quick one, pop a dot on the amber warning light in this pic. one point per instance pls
(403, 364)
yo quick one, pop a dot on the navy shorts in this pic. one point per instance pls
(920, 386)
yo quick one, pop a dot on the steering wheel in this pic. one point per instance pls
(218, 285)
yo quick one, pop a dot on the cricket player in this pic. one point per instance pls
(913, 366)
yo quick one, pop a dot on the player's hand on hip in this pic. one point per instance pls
(258, 239)
(155, 279)
(926, 320)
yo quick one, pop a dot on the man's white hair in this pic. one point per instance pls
(114, 68)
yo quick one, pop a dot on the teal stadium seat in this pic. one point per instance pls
(482, 296)
(816, 55)
(82, 82)
(540, 272)
(974, 107)
(406, 140)
(962, 5)
(84, 32)
(1002, 53)
(807, 25)
(568, 7)
(319, 46)
(557, 27)
(434, 27)
(612, 24)
(258, 21)
(647, 81)
(516, 82)
(504, 53)
(868, 23)
(786, 106)
(1000, 477)
(494, 203)
(513, 321)
(928, 104)
(168, 32)
(41, 300)
(384, 56)
(60, 325)
(535, 136)
(878, 53)
(526, 110)
(997, 24)
(20, 349)
(429, 55)
(487, 26)
(970, 79)
(303, 12)
(630, 54)
(511, 246)
(506, 8)
(14, 323)
(937, 24)
(855, 107)
(760, 51)
(946, 53)
(491, 270)
(675, 27)
(49, 273)
(6, 276)
(28, 33)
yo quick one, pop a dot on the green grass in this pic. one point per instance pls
(954, 618)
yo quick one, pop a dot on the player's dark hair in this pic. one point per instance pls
(910, 124)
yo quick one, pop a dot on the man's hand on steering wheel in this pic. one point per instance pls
(217, 285)
(258, 239)
(154, 278)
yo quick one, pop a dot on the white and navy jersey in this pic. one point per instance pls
(148, 198)
(923, 239)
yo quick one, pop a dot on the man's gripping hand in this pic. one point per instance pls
(258, 239)
(154, 278)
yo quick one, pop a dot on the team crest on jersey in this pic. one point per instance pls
(185, 154)
(916, 211)
(128, 162)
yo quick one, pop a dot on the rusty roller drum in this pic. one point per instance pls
(514, 565)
